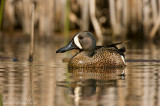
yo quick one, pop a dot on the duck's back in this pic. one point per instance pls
(102, 57)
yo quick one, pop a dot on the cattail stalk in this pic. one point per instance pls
(113, 15)
(139, 11)
(155, 28)
(154, 9)
(32, 36)
(92, 10)
(66, 25)
(85, 15)
(146, 19)
(125, 20)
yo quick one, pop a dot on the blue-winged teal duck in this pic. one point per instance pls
(91, 55)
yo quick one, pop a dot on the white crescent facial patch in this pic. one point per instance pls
(76, 41)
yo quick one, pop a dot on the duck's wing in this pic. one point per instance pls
(114, 44)
(119, 50)
(114, 47)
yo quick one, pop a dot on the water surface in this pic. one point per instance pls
(48, 82)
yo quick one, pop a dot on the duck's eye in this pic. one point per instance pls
(80, 37)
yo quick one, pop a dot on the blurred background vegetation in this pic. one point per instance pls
(107, 18)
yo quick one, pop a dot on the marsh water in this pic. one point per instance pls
(48, 82)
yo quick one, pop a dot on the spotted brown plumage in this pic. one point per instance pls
(102, 57)
(91, 55)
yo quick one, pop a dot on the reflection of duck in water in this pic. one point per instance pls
(97, 73)
(91, 55)
(93, 83)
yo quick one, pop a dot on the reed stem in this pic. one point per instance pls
(155, 28)
(32, 36)
(96, 25)
(85, 16)
(66, 26)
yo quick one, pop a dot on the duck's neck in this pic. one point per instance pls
(88, 53)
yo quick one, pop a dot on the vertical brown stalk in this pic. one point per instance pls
(46, 17)
(155, 28)
(156, 19)
(119, 29)
(146, 18)
(94, 20)
(9, 13)
(125, 13)
(26, 9)
(134, 18)
(158, 7)
(85, 15)
(112, 14)
(32, 36)
(139, 11)
(154, 9)
(115, 14)
(66, 22)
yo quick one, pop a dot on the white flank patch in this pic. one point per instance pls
(77, 94)
(123, 58)
(76, 41)
(80, 61)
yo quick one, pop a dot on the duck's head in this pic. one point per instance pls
(84, 41)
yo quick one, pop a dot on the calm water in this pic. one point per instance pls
(47, 81)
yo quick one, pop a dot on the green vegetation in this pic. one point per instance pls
(1, 12)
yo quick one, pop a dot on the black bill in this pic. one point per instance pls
(69, 46)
